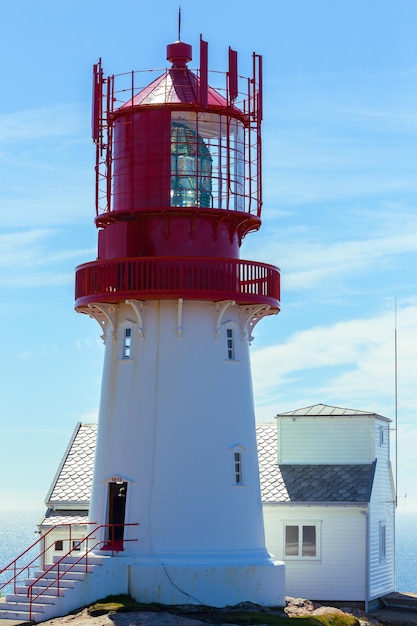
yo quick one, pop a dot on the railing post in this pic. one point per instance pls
(30, 604)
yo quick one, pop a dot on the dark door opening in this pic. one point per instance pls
(116, 519)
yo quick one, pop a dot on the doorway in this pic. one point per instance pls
(117, 511)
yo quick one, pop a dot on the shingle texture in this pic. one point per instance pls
(308, 483)
(73, 481)
(54, 518)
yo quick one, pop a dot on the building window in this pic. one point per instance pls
(76, 545)
(381, 435)
(382, 541)
(238, 468)
(59, 545)
(230, 344)
(127, 343)
(301, 541)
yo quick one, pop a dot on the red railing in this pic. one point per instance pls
(34, 562)
(60, 567)
(203, 278)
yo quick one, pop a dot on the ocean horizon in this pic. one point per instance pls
(18, 532)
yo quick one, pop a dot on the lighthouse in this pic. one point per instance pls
(178, 187)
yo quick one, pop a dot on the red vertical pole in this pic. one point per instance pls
(233, 81)
(203, 72)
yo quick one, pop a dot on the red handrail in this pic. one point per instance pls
(13, 564)
(57, 564)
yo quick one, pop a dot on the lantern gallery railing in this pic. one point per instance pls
(204, 278)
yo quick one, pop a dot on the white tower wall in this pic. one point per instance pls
(172, 417)
(187, 408)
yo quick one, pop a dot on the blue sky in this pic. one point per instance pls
(339, 217)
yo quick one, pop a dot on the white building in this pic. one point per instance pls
(329, 502)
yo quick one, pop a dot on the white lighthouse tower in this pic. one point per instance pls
(176, 486)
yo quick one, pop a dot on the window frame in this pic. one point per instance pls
(230, 344)
(382, 541)
(381, 436)
(238, 465)
(300, 542)
(126, 334)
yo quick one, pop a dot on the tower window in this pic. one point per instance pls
(238, 468)
(127, 343)
(230, 344)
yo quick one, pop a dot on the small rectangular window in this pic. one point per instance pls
(127, 343)
(230, 344)
(238, 468)
(382, 541)
(291, 541)
(59, 545)
(301, 540)
(309, 541)
(381, 435)
(76, 545)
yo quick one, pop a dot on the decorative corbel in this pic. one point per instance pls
(250, 316)
(221, 308)
(105, 315)
(137, 306)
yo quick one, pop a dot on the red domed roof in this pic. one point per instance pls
(178, 85)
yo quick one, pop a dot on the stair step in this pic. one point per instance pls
(72, 574)
(91, 558)
(23, 599)
(45, 582)
(21, 616)
(23, 606)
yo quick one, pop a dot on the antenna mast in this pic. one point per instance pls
(396, 401)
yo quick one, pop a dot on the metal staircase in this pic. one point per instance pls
(86, 572)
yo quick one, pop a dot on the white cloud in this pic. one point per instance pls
(29, 260)
(348, 362)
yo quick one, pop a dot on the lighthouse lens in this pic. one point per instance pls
(191, 165)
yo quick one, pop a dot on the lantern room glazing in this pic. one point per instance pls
(165, 145)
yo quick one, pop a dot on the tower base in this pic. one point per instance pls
(210, 585)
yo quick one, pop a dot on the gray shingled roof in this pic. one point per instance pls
(324, 410)
(279, 483)
(72, 483)
(55, 518)
(308, 483)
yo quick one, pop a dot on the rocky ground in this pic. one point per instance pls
(189, 616)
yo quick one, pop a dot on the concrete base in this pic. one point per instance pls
(210, 585)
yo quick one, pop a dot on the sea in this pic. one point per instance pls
(18, 532)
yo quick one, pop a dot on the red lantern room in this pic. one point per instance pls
(178, 185)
